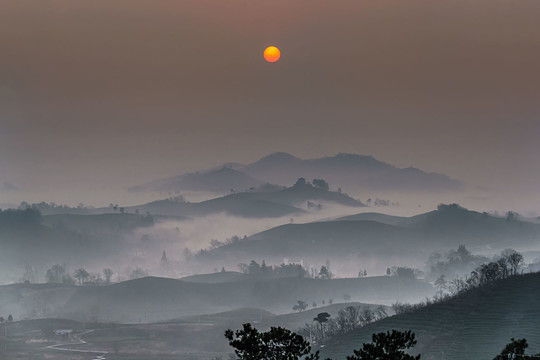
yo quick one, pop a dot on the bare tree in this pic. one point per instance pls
(514, 260)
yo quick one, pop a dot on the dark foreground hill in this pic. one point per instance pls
(474, 325)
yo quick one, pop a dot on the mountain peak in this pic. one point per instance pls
(279, 156)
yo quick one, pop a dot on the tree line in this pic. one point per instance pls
(349, 318)
(508, 264)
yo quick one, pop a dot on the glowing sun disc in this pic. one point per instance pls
(272, 54)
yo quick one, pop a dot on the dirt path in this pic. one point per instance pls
(100, 354)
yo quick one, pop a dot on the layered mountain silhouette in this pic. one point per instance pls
(348, 171)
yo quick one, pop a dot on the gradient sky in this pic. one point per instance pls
(101, 95)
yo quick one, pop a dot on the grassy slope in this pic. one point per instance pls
(249, 208)
(381, 234)
(97, 223)
(294, 321)
(332, 238)
(252, 204)
(475, 325)
(158, 299)
(216, 278)
(373, 216)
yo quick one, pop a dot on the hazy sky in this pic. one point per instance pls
(100, 95)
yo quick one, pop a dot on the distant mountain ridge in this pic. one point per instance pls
(218, 180)
(348, 171)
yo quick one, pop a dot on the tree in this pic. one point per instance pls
(514, 260)
(138, 273)
(322, 318)
(276, 344)
(349, 318)
(441, 283)
(321, 184)
(387, 346)
(56, 274)
(511, 216)
(10, 318)
(403, 272)
(81, 275)
(513, 347)
(254, 268)
(325, 273)
(301, 182)
(108, 274)
(95, 279)
(300, 306)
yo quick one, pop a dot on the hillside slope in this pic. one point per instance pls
(475, 325)
(371, 234)
(156, 299)
(265, 201)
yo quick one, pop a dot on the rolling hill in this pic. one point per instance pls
(264, 201)
(373, 234)
(220, 181)
(455, 222)
(74, 240)
(233, 205)
(175, 339)
(474, 325)
(157, 299)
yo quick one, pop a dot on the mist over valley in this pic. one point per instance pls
(269, 180)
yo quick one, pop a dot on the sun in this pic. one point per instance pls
(272, 54)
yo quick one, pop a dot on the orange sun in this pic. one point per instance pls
(272, 54)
